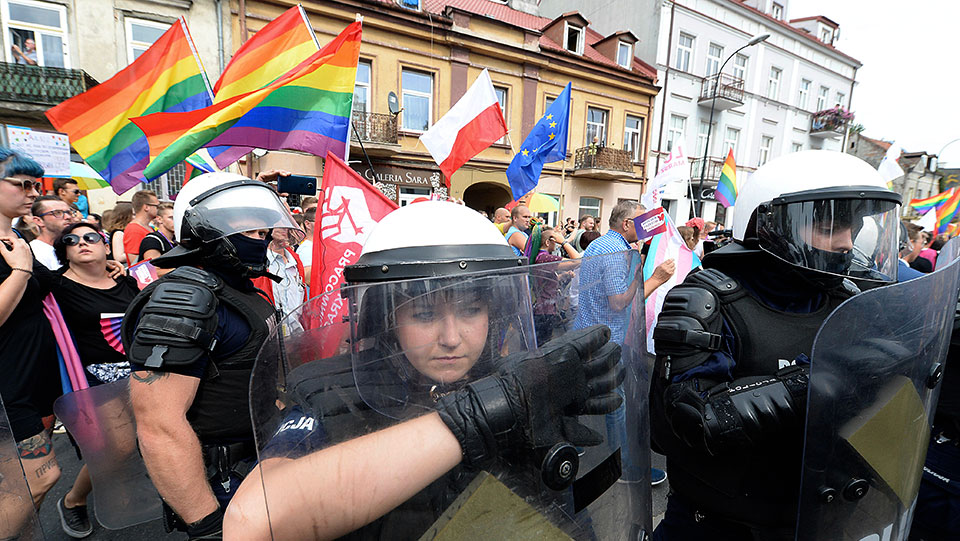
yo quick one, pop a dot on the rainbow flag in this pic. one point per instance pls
(307, 109)
(168, 77)
(934, 201)
(946, 211)
(726, 192)
(110, 325)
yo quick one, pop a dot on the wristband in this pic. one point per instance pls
(30, 272)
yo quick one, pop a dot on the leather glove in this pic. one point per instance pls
(209, 527)
(534, 397)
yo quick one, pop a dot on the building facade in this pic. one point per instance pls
(921, 177)
(427, 53)
(772, 98)
(78, 43)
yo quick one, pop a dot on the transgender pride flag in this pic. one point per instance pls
(668, 245)
(110, 325)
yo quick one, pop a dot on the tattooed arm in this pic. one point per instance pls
(169, 445)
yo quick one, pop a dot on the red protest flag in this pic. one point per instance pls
(349, 208)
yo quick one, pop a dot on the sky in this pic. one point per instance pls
(908, 89)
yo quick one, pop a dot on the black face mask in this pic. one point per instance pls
(250, 252)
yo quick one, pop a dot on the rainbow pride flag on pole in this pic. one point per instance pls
(168, 77)
(307, 109)
(947, 211)
(726, 192)
(934, 201)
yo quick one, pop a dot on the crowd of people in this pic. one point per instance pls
(438, 356)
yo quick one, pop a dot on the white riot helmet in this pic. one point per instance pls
(214, 206)
(822, 211)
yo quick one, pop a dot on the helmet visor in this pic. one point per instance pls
(852, 234)
(245, 207)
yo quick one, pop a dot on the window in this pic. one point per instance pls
(361, 88)
(596, 125)
(417, 89)
(678, 125)
(547, 102)
(140, 36)
(684, 52)
(766, 144)
(408, 195)
(841, 99)
(410, 4)
(573, 40)
(624, 54)
(822, 98)
(38, 29)
(730, 140)
(702, 138)
(169, 184)
(714, 57)
(502, 99)
(591, 206)
(777, 11)
(740, 67)
(551, 218)
(633, 137)
(826, 36)
(796, 147)
(804, 94)
(773, 84)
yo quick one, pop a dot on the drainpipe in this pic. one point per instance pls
(242, 8)
(666, 81)
(846, 132)
(220, 33)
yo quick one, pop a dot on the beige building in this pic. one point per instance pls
(80, 42)
(428, 52)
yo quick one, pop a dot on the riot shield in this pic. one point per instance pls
(18, 516)
(377, 357)
(101, 421)
(876, 367)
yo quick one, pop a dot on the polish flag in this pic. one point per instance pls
(473, 124)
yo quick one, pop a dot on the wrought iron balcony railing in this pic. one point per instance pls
(827, 122)
(594, 157)
(722, 85)
(41, 85)
(714, 168)
(375, 127)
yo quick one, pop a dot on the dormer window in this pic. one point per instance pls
(410, 4)
(624, 54)
(777, 11)
(573, 38)
(826, 35)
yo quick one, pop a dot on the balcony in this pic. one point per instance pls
(712, 173)
(35, 85)
(829, 123)
(721, 91)
(603, 162)
(377, 131)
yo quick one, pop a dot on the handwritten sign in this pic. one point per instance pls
(50, 149)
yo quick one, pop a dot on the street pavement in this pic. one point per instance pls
(70, 466)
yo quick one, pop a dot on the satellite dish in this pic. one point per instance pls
(393, 103)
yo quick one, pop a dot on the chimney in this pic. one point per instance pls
(526, 6)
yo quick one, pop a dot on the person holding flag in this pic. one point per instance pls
(546, 143)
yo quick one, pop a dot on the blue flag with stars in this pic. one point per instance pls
(546, 143)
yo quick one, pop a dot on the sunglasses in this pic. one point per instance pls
(90, 238)
(57, 213)
(74, 192)
(25, 185)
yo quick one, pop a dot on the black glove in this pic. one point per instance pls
(738, 414)
(533, 399)
(209, 527)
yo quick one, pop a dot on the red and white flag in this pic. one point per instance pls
(349, 208)
(473, 124)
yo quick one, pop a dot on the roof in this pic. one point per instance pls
(820, 18)
(885, 145)
(508, 15)
(795, 30)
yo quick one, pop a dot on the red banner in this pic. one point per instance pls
(349, 208)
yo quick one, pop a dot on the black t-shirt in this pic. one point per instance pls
(93, 315)
(29, 373)
(155, 240)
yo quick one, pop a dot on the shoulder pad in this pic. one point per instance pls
(689, 321)
(193, 274)
(715, 280)
(176, 325)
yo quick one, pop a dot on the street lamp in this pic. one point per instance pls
(713, 104)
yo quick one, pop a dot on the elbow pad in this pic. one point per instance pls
(738, 414)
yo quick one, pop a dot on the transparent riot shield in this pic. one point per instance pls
(876, 367)
(101, 421)
(372, 360)
(18, 516)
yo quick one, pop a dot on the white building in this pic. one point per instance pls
(767, 95)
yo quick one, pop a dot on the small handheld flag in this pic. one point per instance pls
(546, 143)
(726, 192)
(947, 211)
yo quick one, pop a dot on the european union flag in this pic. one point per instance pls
(546, 143)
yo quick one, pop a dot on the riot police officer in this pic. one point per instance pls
(733, 341)
(424, 409)
(192, 337)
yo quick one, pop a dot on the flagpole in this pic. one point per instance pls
(563, 180)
